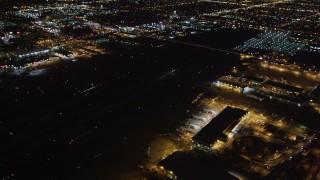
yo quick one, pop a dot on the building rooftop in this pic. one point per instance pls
(187, 167)
(285, 86)
(214, 129)
(253, 78)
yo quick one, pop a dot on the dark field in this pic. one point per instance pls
(56, 125)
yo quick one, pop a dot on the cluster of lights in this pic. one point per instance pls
(271, 41)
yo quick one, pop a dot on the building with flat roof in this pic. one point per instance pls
(286, 87)
(207, 136)
(185, 166)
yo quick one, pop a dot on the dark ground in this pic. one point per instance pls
(59, 135)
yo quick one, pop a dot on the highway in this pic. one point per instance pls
(205, 47)
(198, 45)
(244, 8)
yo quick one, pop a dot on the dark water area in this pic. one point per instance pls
(93, 117)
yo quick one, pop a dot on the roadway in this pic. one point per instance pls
(246, 7)
(198, 45)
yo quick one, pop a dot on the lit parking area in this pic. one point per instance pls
(274, 137)
(272, 140)
(197, 120)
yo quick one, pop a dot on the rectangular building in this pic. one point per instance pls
(207, 136)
